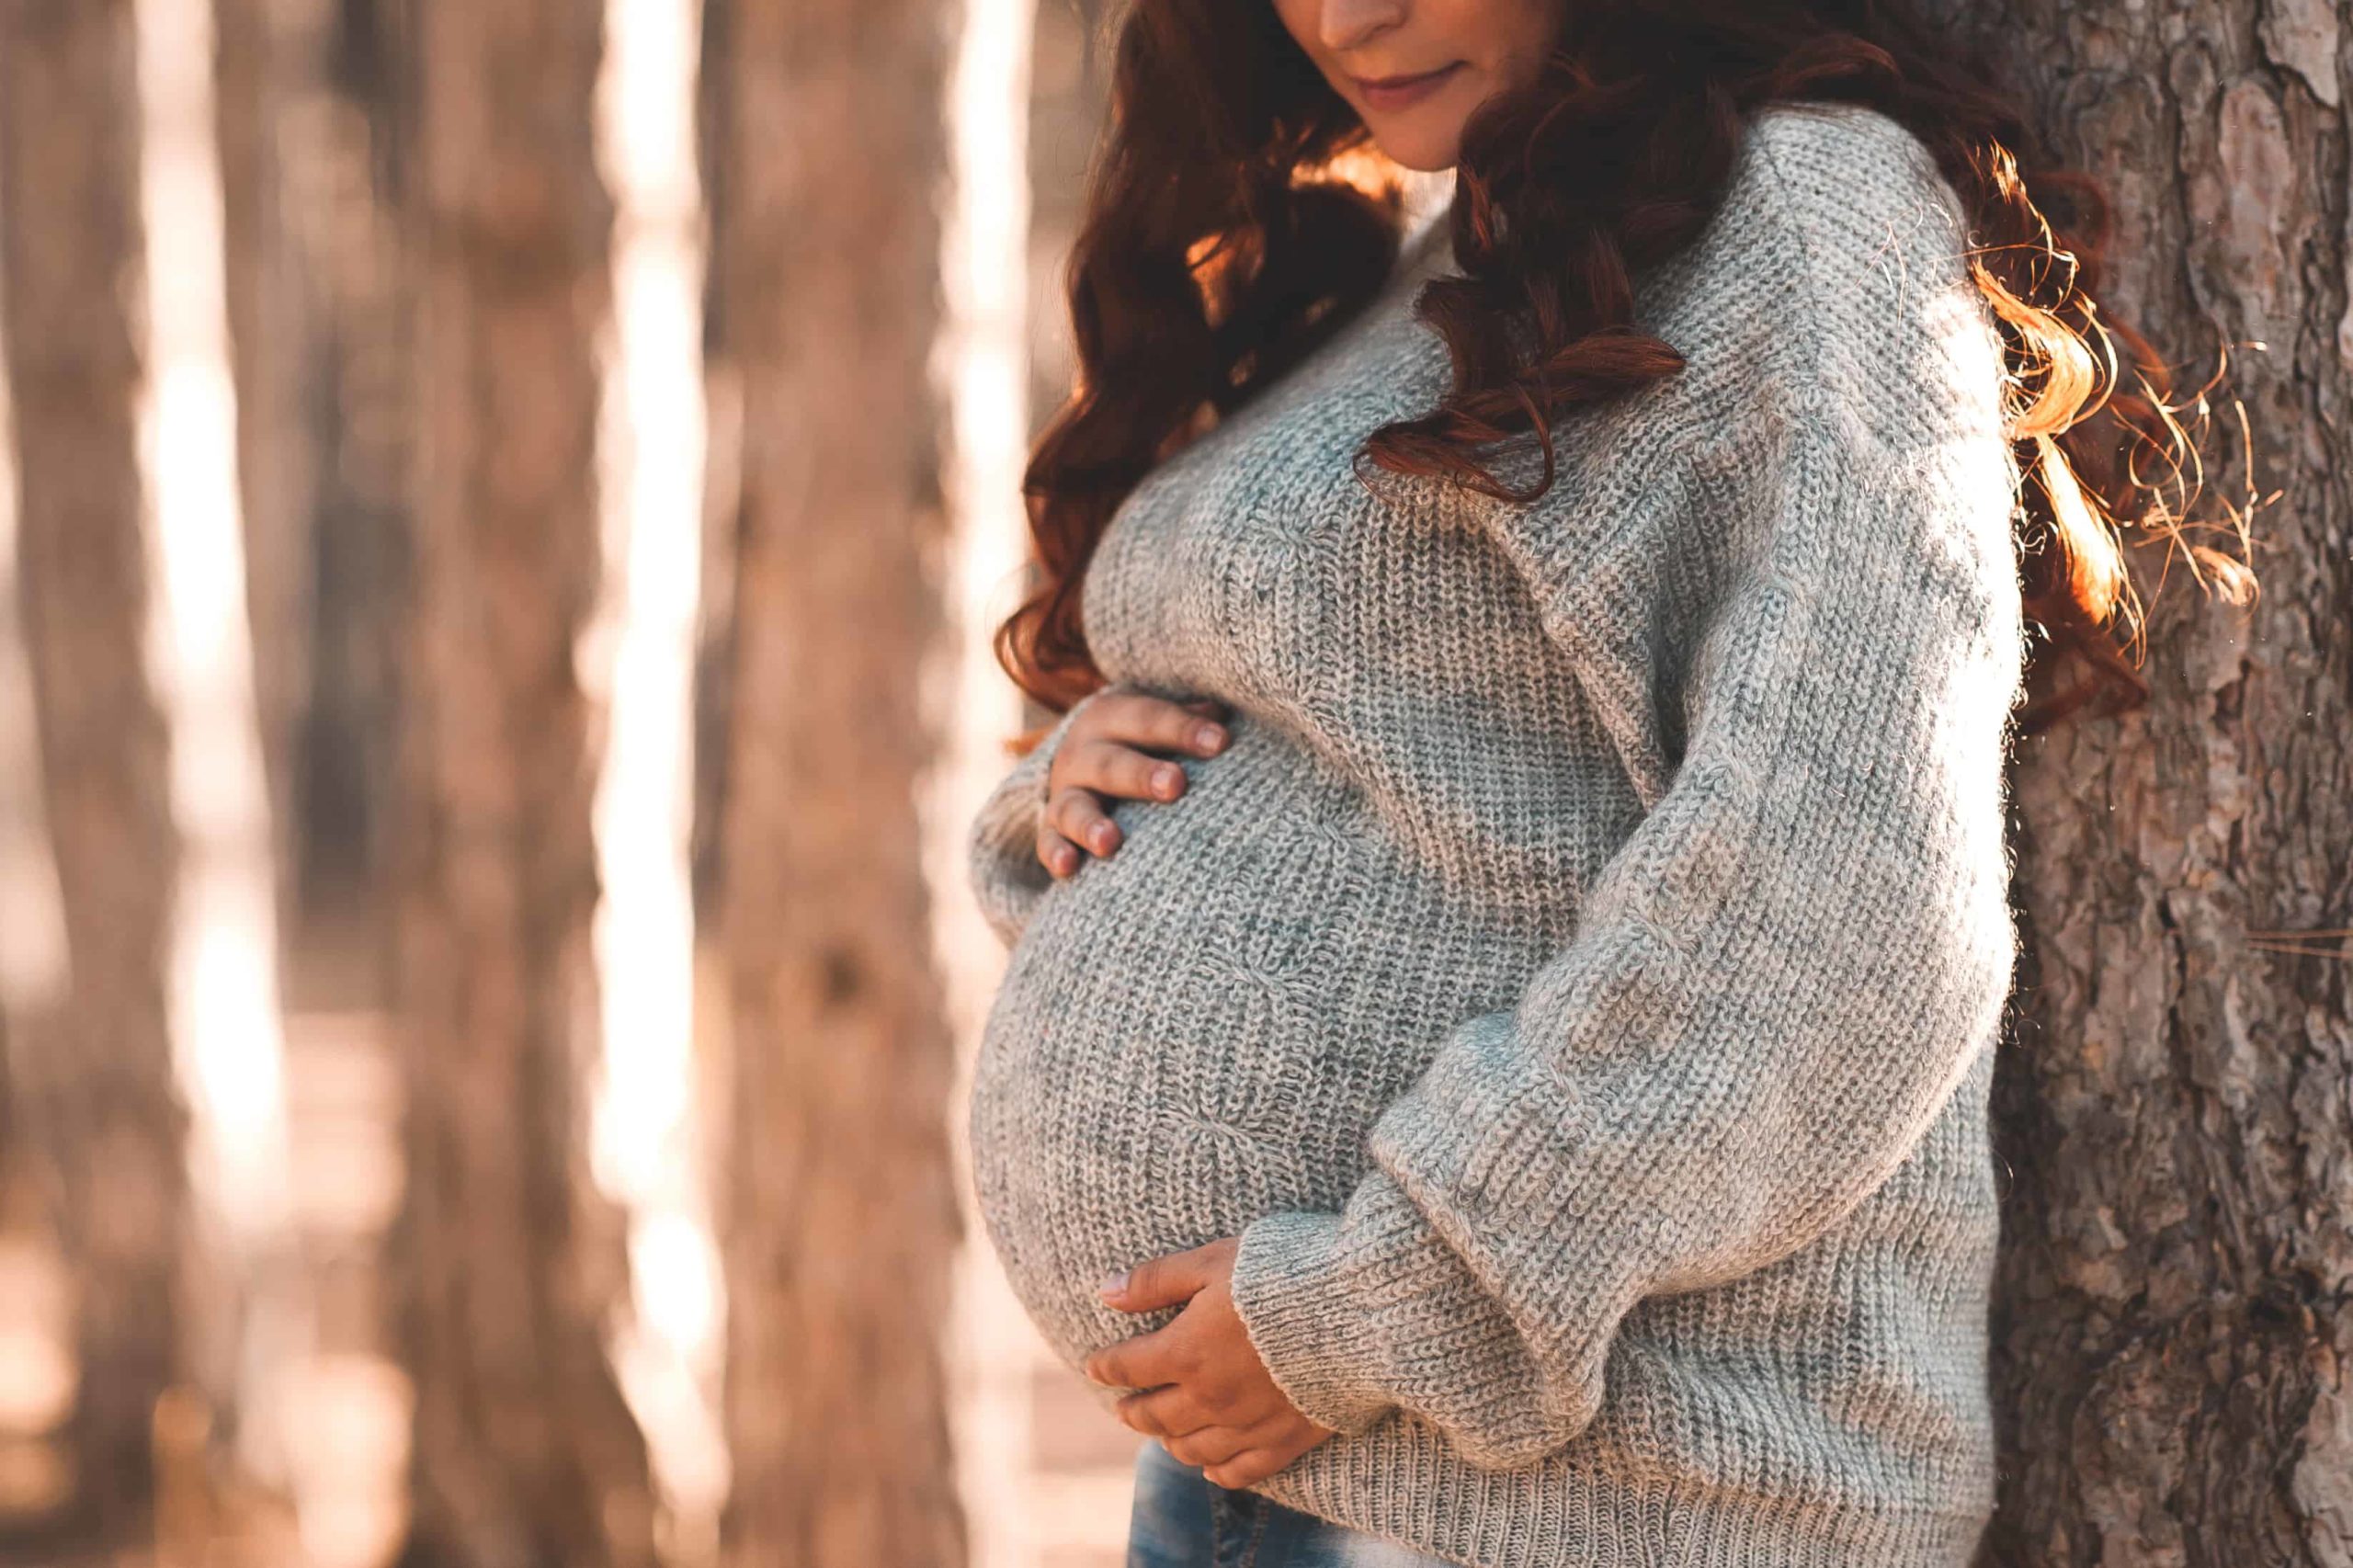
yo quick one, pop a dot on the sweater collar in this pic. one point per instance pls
(1426, 249)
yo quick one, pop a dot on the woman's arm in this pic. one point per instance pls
(1778, 978)
(1797, 554)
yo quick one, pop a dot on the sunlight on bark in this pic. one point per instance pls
(38, 1376)
(33, 959)
(985, 265)
(225, 988)
(648, 1140)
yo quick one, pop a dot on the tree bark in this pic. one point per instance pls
(310, 135)
(2174, 1321)
(723, 498)
(525, 1452)
(93, 1082)
(1069, 91)
(262, 67)
(840, 1220)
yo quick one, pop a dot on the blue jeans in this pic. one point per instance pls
(1183, 1519)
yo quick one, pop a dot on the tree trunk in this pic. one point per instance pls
(723, 408)
(525, 1451)
(263, 66)
(2173, 1326)
(841, 1224)
(1069, 91)
(309, 150)
(348, 161)
(94, 1082)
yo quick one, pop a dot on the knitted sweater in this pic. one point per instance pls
(1576, 981)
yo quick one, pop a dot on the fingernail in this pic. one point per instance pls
(1113, 1284)
(1209, 735)
(1164, 779)
(1102, 836)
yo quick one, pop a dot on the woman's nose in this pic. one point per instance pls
(1348, 24)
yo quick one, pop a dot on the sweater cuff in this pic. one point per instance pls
(1315, 1342)
(1001, 845)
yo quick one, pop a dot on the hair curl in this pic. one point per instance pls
(1229, 229)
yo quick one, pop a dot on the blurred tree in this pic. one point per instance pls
(839, 1228)
(513, 1265)
(1070, 89)
(94, 1083)
(266, 65)
(2173, 1332)
(309, 158)
(723, 408)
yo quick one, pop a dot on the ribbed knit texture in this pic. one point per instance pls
(1577, 980)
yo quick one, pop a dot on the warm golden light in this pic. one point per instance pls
(985, 261)
(224, 986)
(647, 1140)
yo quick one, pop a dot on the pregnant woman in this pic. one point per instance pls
(1508, 933)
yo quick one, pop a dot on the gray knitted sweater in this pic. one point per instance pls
(1578, 981)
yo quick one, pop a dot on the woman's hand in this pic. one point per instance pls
(1206, 1394)
(1108, 750)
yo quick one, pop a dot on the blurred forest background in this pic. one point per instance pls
(479, 473)
(502, 506)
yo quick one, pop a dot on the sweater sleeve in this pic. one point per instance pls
(1001, 845)
(1772, 988)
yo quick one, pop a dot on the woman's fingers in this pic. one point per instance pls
(1244, 1470)
(1075, 814)
(1096, 770)
(1210, 1445)
(1168, 1412)
(1110, 752)
(1138, 718)
(1192, 726)
(1256, 1460)
(1057, 854)
(1111, 767)
(1218, 1443)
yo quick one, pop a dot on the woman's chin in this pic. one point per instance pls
(1419, 148)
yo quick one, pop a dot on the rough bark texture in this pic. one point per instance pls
(525, 1451)
(93, 1082)
(841, 1221)
(2173, 1325)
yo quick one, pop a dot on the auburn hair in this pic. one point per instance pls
(1237, 214)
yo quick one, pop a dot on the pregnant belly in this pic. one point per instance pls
(1203, 1028)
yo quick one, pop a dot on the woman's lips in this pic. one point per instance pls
(1396, 92)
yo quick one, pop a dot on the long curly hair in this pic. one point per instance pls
(1236, 215)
